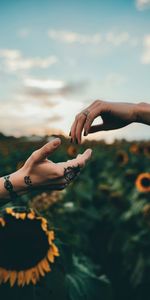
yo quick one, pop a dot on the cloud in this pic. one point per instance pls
(110, 38)
(71, 37)
(55, 118)
(11, 54)
(13, 60)
(145, 58)
(26, 117)
(142, 4)
(46, 88)
(117, 39)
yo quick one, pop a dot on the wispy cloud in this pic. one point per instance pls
(13, 60)
(50, 87)
(145, 58)
(117, 39)
(71, 37)
(142, 4)
(110, 38)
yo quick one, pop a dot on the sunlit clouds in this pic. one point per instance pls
(13, 60)
(74, 37)
(113, 38)
(142, 4)
(56, 60)
(145, 59)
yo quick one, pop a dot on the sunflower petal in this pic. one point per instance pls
(41, 270)
(31, 216)
(34, 277)
(13, 277)
(1, 275)
(51, 235)
(22, 216)
(55, 250)
(50, 255)
(45, 265)
(9, 210)
(6, 275)
(28, 276)
(21, 276)
(2, 222)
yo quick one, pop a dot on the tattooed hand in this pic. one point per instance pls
(39, 172)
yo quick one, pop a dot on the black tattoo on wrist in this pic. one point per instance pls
(9, 187)
(71, 173)
(27, 180)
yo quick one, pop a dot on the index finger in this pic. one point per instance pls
(80, 160)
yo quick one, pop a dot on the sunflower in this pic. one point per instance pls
(147, 151)
(72, 151)
(27, 249)
(122, 158)
(143, 182)
(134, 148)
(146, 211)
(43, 201)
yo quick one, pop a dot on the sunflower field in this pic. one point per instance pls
(96, 232)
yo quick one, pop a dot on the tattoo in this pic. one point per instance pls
(71, 173)
(9, 187)
(27, 180)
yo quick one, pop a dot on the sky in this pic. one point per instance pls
(57, 57)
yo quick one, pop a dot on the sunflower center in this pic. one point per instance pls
(23, 244)
(146, 182)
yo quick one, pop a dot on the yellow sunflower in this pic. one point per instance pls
(146, 211)
(147, 151)
(122, 158)
(43, 201)
(27, 247)
(134, 148)
(143, 182)
(72, 151)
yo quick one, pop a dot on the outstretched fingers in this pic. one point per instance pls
(42, 153)
(83, 121)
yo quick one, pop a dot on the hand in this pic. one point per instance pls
(114, 116)
(40, 173)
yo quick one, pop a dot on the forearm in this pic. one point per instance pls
(143, 113)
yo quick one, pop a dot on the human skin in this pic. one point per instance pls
(43, 173)
(114, 115)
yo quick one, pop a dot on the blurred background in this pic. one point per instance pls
(56, 57)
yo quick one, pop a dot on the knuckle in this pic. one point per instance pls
(80, 117)
(96, 101)
(34, 154)
(46, 149)
(90, 116)
(77, 116)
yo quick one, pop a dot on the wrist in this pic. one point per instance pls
(16, 181)
(140, 110)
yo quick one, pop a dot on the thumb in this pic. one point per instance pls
(96, 128)
(46, 150)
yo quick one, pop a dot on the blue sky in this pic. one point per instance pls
(56, 57)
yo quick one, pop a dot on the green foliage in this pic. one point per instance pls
(100, 222)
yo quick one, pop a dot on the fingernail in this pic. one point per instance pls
(56, 142)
